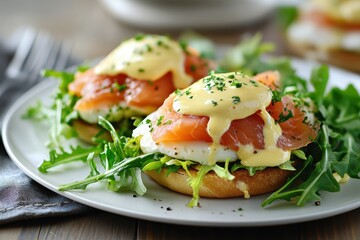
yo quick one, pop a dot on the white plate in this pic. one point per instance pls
(24, 140)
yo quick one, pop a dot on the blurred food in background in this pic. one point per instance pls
(324, 30)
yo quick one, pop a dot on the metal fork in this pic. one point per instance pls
(35, 52)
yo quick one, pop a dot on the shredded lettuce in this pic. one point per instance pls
(196, 181)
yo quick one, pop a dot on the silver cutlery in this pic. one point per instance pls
(36, 51)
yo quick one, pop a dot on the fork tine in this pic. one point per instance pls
(53, 55)
(43, 57)
(21, 53)
(64, 56)
(56, 58)
(43, 52)
(37, 58)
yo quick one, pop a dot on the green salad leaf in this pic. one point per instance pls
(202, 44)
(245, 56)
(77, 153)
(286, 15)
(337, 144)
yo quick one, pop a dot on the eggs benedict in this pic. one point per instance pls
(328, 31)
(133, 80)
(232, 135)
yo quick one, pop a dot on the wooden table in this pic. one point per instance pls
(94, 33)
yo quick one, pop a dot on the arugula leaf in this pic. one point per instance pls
(286, 15)
(127, 163)
(341, 109)
(60, 113)
(65, 78)
(339, 149)
(352, 156)
(36, 112)
(77, 153)
(322, 177)
(121, 161)
(287, 192)
(92, 165)
(58, 127)
(246, 55)
(202, 44)
(319, 79)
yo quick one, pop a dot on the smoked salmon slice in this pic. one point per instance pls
(96, 91)
(297, 129)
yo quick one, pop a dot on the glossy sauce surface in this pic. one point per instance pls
(227, 97)
(147, 57)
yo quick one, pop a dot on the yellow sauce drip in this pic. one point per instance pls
(147, 57)
(271, 156)
(340, 179)
(226, 97)
(244, 188)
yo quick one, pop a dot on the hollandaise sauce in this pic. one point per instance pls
(148, 58)
(227, 97)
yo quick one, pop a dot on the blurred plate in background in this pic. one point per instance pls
(176, 14)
